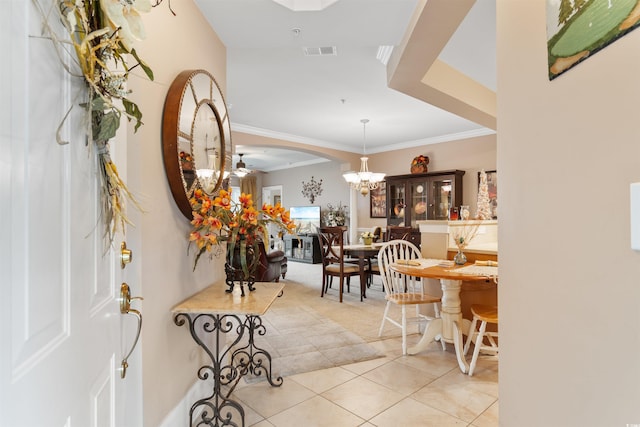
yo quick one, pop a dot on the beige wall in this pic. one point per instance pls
(170, 357)
(569, 293)
(470, 155)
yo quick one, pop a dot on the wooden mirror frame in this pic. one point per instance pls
(178, 129)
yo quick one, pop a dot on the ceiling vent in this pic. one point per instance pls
(320, 51)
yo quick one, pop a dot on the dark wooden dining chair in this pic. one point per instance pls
(333, 259)
(398, 233)
(377, 234)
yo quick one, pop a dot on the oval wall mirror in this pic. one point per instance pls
(196, 137)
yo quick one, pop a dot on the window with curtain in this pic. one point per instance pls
(248, 186)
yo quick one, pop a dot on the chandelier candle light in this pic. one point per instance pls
(364, 180)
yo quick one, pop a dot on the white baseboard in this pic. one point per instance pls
(179, 415)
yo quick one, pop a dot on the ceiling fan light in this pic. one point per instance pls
(241, 172)
(241, 168)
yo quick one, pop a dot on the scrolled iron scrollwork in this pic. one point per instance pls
(245, 358)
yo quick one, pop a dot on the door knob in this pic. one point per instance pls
(125, 308)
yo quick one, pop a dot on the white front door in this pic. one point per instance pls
(62, 334)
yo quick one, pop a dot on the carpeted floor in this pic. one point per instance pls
(305, 332)
(301, 340)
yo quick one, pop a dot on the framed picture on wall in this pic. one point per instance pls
(492, 188)
(378, 201)
(576, 30)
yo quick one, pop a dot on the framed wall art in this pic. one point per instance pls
(378, 201)
(576, 29)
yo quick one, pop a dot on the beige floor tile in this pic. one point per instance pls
(484, 380)
(371, 392)
(268, 401)
(316, 412)
(409, 412)
(389, 346)
(453, 393)
(323, 380)
(251, 417)
(362, 367)
(399, 377)
(363, 397)
(433, 361)
(488, 418)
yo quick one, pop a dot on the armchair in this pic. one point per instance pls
(271, 265)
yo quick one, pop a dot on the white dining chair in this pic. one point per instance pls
(401, 289)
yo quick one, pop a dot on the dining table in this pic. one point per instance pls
(450, 326)
(363, 253)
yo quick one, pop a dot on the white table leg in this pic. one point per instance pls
(432, 330)
(450, 326)
(458, 344)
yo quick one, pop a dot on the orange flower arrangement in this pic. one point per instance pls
(239, 224)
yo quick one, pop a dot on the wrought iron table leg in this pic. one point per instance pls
(247, 359)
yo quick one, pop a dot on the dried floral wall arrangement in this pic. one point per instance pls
(101, 38)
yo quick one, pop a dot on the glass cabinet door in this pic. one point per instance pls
(419, 201)
(441, 197)
(396, 203)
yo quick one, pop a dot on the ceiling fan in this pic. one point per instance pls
(241, 168)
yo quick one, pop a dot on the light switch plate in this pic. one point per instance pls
(635, 216)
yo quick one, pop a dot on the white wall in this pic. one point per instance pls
(170, 356)
(569, 293)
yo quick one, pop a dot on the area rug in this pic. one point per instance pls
(301, 340)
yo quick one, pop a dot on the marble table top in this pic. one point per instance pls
(214, 300)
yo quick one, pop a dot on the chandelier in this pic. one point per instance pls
(364, 180)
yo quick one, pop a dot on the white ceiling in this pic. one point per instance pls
(274, 90)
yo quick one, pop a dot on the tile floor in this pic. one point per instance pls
(426, 389)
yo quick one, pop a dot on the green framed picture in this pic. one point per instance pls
(576, 29)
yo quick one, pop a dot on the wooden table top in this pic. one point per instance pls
(366, 250)
(436, 272)
(214, 300)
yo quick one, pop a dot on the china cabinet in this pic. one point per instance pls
(417, 197)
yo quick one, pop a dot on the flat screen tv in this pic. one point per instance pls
(306, 217)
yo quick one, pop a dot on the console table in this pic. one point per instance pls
(303, 248)
(211, 314)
